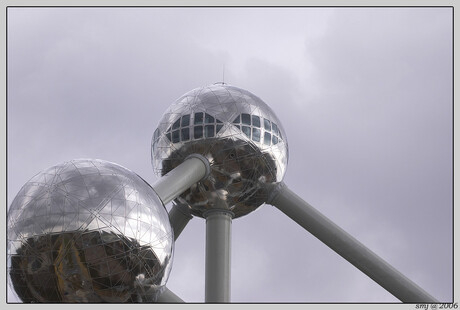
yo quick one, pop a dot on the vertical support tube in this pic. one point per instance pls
(179, 216)
(218, 243)
(348, 247)
(194, 168)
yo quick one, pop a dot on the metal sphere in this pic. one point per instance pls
(88, 231)
(237, 132)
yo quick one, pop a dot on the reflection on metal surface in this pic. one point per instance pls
(240, 136)
(82, 267)
(88, 231)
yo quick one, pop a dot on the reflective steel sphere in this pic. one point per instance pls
(88, 231)
(237, 132)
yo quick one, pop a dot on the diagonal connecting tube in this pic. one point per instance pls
(167, 296)
(179, 216)
(194, 168)
(348, 247)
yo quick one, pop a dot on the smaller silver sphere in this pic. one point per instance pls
(88, 231)
(238, 133)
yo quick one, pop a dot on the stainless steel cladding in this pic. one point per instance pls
(88, 231)
(237, 132)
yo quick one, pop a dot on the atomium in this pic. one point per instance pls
(237, 132)
(92, 231)
(88, 231)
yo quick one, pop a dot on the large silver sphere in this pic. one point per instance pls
(88, 231)
(237, 132)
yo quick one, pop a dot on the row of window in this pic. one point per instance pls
(250, 124)
(206, 126)
(198, 132)
(200, 118)
(255, 121)
(254, 134)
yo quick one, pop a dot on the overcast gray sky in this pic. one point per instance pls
(364, 94)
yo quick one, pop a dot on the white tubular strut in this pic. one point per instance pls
(348, 247)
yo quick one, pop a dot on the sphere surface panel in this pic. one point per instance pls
(237, 132)
(88, 231)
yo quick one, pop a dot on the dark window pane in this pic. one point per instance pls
(255, 121)
(185, 120)
(267, 125)
(198, 132)
(238, 126)
(267, 138)
(218, 128)
(246, 130)
(175, 136)
(256, 134)
(199, 118)
(218, 121)
(275, 128)
(176, 124)
(209, 131)
(275, 139)
(185, 134)
(237, 120)
(208, 119)
(246, 119)
(168, 135)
